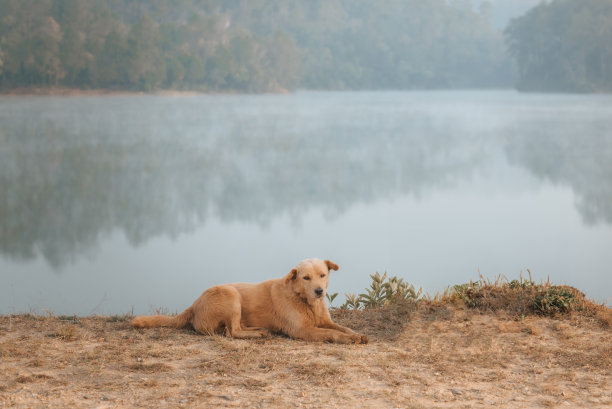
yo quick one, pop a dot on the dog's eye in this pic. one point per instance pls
(322, 275)
(306, 278)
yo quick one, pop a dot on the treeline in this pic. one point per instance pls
(249, 45)
(83, 44)
(392, 44)
(272, 45)
(565, 45)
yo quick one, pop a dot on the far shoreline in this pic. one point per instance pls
(80, 92)
(102, 92)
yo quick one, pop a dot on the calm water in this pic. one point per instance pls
(131, 203)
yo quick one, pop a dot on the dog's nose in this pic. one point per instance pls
(319, 292)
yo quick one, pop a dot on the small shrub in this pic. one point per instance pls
(554, 300)
(471, 294)
(521, 284)
(383, 291)
(352, 302)
(520, 297)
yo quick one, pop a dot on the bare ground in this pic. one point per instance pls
(437, 358)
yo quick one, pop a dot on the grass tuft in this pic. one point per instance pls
(150, 368)
(69, 318)
(119, 318)
(66, 333)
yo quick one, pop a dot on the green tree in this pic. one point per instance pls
(146, 68)
(246, 63)
(565, 45)
(282, 62)
(31, 39)
(256, 45)
(113, 62)
(75, 60)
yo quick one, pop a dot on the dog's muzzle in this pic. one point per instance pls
(319, 292)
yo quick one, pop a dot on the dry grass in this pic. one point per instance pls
(66, 333)
(432, 353)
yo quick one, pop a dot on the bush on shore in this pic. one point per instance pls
(519, 298)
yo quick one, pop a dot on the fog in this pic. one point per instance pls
(433, 187)
(502, 11)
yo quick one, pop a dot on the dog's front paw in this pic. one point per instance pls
(359, 339)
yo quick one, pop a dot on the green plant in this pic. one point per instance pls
(383, 291)
(470, 293)
(352, 302)
(555, 299)
(521, 297)
(521, 284)
(331, 297)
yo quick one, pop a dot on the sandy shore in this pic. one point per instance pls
(439, 358)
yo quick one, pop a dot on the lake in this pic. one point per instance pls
(119, 204)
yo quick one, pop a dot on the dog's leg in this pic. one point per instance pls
(232, 311)
(333, 325)
(327, 335)
(325, 321)
(234, 330)
(256, 329)
(220, 307)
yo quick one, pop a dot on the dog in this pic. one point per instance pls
(293, 305)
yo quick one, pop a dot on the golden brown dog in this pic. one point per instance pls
(293, 305)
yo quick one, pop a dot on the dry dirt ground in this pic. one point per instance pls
(416, 359)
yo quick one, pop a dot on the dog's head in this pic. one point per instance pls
(310, 278)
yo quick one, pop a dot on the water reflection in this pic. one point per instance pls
(580, 158)
(73, 171)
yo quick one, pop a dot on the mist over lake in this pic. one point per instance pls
(116, 204)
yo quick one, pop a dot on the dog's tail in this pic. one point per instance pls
(178, 321)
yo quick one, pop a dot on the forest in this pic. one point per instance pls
(248, 46)
(565, 45)
(282, 45)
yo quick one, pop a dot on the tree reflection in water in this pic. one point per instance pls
(74, 170)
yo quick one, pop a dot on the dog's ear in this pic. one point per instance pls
(331, 265)
(291, 276)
